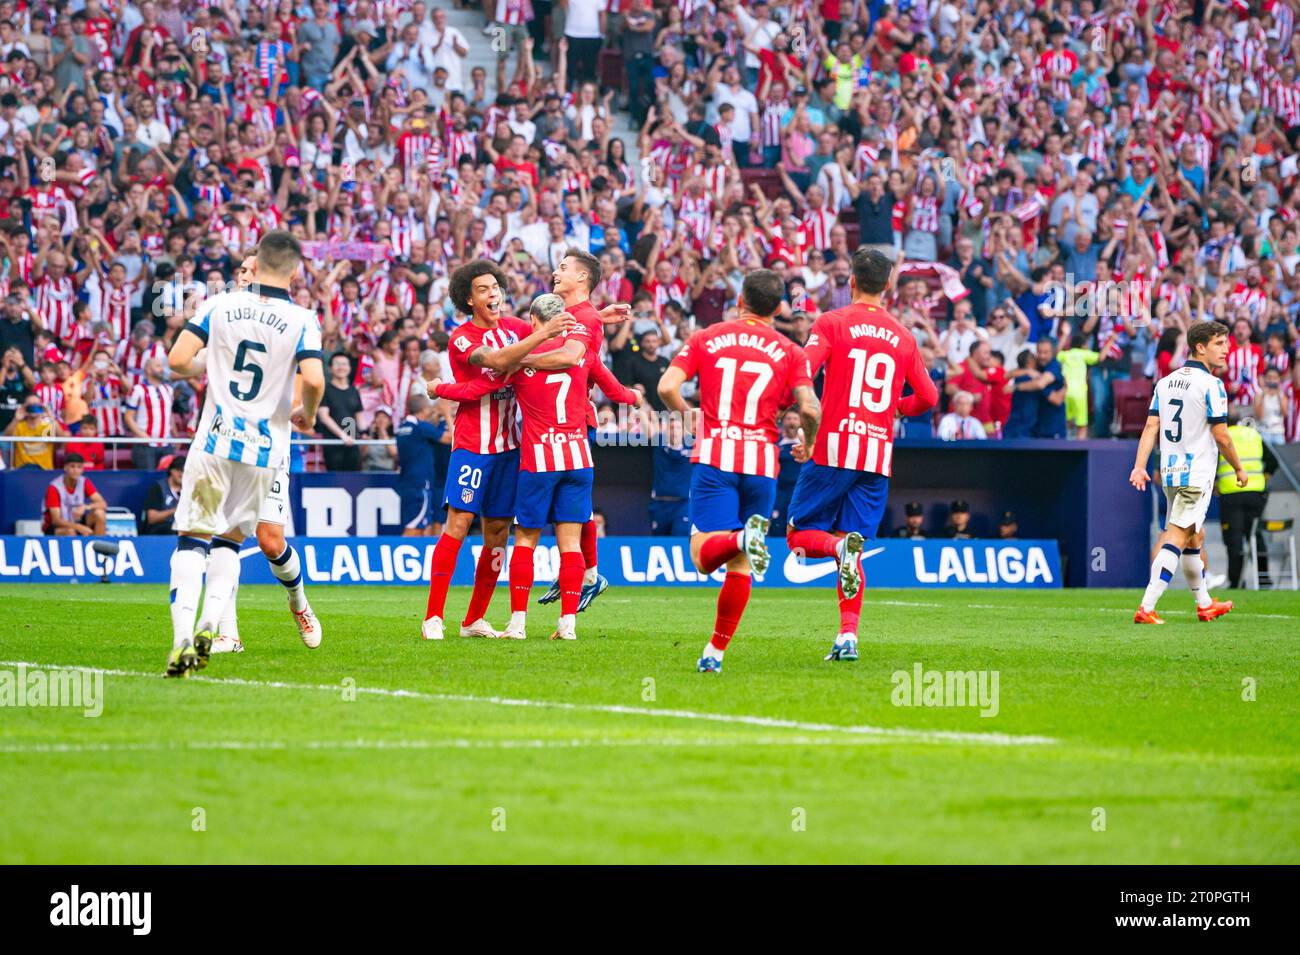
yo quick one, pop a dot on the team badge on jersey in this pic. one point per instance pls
(466, 495)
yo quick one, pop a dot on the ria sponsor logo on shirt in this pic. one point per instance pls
(855, 425)
(77, 908)
(562, 437)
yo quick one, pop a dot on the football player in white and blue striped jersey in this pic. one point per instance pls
(255, 340)
(1189, 415)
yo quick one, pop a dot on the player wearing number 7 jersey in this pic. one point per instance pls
(840, 495)
(749, 373)
(1189, 414)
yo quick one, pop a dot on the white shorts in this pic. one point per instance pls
(275, 509)
(1187, 506)
(220, 495)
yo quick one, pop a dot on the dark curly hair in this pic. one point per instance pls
(462, 281)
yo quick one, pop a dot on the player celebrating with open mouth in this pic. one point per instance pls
(1189, 412)
(484, 467)
(749, 373)
(839, 497)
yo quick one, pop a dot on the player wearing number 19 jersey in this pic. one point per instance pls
(749, 373)
(840, 495)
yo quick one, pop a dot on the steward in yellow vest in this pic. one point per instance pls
(1239, 507)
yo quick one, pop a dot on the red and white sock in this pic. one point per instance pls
(719, 549)
(732, 599)
(445, 553)
(813, 544)
(589, 552)
(486, 573)
(851, 607)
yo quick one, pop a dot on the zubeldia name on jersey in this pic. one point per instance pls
(261, 316)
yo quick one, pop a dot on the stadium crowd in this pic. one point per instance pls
(1066, 185)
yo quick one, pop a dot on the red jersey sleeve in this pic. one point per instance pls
(52, 501)
(467, 390)
(90, 489)
(688, 359)
(612, 388)
(819, 343)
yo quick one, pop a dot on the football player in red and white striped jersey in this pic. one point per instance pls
(148, 414)
(483, 472)
(749, 373)
(840, 495)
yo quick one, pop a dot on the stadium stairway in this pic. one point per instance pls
(470, 22)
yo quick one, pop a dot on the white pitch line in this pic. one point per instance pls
(768, 722)
(433, 744)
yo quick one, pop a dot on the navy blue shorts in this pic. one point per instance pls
(554, 497)
(417, 507)
(482, 484)
(670, 519)
(838, 499)
(723, 500)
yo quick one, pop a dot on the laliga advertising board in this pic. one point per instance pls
(626, 561)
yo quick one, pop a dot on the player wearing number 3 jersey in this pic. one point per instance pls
(749, 374)
(840, 496)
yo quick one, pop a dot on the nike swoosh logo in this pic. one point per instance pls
(798, 572)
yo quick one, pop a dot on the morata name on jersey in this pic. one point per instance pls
(874, 331)
(771, 349)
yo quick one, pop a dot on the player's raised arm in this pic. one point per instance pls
(612, 388)
(684, 366)
(506, 360)
(192, 339)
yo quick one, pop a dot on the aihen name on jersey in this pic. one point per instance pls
(261, 316)
(224, 429)
(771, 348)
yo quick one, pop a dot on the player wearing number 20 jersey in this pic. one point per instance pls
(868, 357)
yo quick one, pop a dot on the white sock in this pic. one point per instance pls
(589, 576)
(518, 619)
(1162, 571)
(223, 578)
(229, 618)
(1194, 571)
(188, 561)
(568, 622)
(288, 570)
(712, 652)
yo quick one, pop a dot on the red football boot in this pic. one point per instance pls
(1146, 616)
(1216, 609)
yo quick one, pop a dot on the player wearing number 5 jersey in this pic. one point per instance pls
(255, 339)
(749, 374)
(1189, 416)
(840, 495)
(483, 470)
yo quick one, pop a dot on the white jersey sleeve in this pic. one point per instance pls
(254, 343)
(1189, 402)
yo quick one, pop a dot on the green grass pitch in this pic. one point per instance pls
(1112, 743)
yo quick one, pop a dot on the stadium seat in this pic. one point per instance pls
(769, 180)
(610, 69)
(1132, 402)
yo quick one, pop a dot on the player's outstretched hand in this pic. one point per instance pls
(1242, 477)
(1138, 478)
(300, 421)
(801, 452)
(616, 313)
(432, 388)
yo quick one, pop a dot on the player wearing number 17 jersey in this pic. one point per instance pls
(749, 373)
(840, 495)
